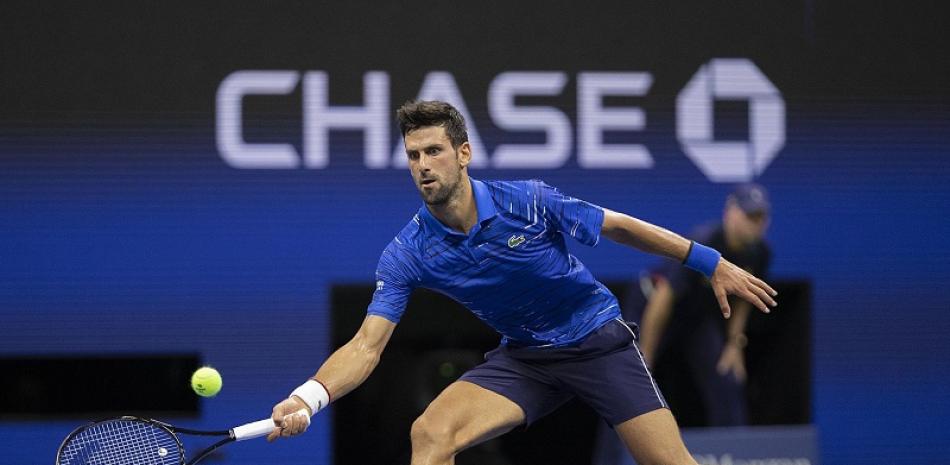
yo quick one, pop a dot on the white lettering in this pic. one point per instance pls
(501, 106)
(319, 117)
(229, 127)
(720, 161)
(593, 119)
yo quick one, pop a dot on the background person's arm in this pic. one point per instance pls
(732, 358)
(656, 315)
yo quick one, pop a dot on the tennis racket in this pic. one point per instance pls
(142, 441)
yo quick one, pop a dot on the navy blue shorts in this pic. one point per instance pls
(605, 370)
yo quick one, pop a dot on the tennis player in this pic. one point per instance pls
(499, 248)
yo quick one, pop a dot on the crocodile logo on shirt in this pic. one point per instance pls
(515, 241)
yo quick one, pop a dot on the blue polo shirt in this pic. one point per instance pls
(512, 270)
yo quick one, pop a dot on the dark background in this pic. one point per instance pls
(122, 230)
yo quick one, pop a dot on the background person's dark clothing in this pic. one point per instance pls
(695, 335)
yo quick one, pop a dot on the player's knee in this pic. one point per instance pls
(432, 434)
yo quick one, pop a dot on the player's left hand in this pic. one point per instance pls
(729, 279)
(732, 360)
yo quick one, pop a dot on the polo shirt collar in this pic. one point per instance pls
(484, 205)
(483, 201)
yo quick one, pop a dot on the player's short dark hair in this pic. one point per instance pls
(416, 114)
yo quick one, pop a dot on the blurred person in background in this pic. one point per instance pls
(677, 309)
(681, 310)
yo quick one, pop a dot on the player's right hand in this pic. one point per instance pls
(729, 279)
(291, 417)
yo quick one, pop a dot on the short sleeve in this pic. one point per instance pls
(573, 217)
(394, 282)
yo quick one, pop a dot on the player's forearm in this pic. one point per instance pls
(650, 238)
(348, 367)
(342, 372)
(351, 364)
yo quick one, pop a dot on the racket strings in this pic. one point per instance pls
(121, 443)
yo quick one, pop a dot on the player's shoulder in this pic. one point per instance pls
(408, 239)
(519, 188)
(518, 184)
(515, 198)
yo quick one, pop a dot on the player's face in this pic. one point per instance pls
(435, 165)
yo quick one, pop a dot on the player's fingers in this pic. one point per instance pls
(753, 299)
(290, 426)
(275, 433)
(723, 301)
(763, 296)
(278, 419)
(296, 423)
(765, 286)
(304, 416)
(299, 422)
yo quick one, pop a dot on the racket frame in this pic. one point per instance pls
(169, 428)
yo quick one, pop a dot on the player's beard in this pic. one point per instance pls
(448, 189)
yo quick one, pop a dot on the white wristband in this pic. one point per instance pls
(313, 394)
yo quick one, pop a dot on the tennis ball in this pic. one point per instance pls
(206, 382)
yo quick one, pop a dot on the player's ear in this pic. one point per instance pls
(465, 154)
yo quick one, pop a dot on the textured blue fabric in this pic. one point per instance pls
(512, 270)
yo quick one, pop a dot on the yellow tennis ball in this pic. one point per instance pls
(206, 382)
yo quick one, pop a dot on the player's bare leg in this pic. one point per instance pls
(463, 415)
(654, 439)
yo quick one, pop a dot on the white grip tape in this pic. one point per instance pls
(313, 394)
(253, 430)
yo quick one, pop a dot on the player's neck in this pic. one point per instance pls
(459, 212)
